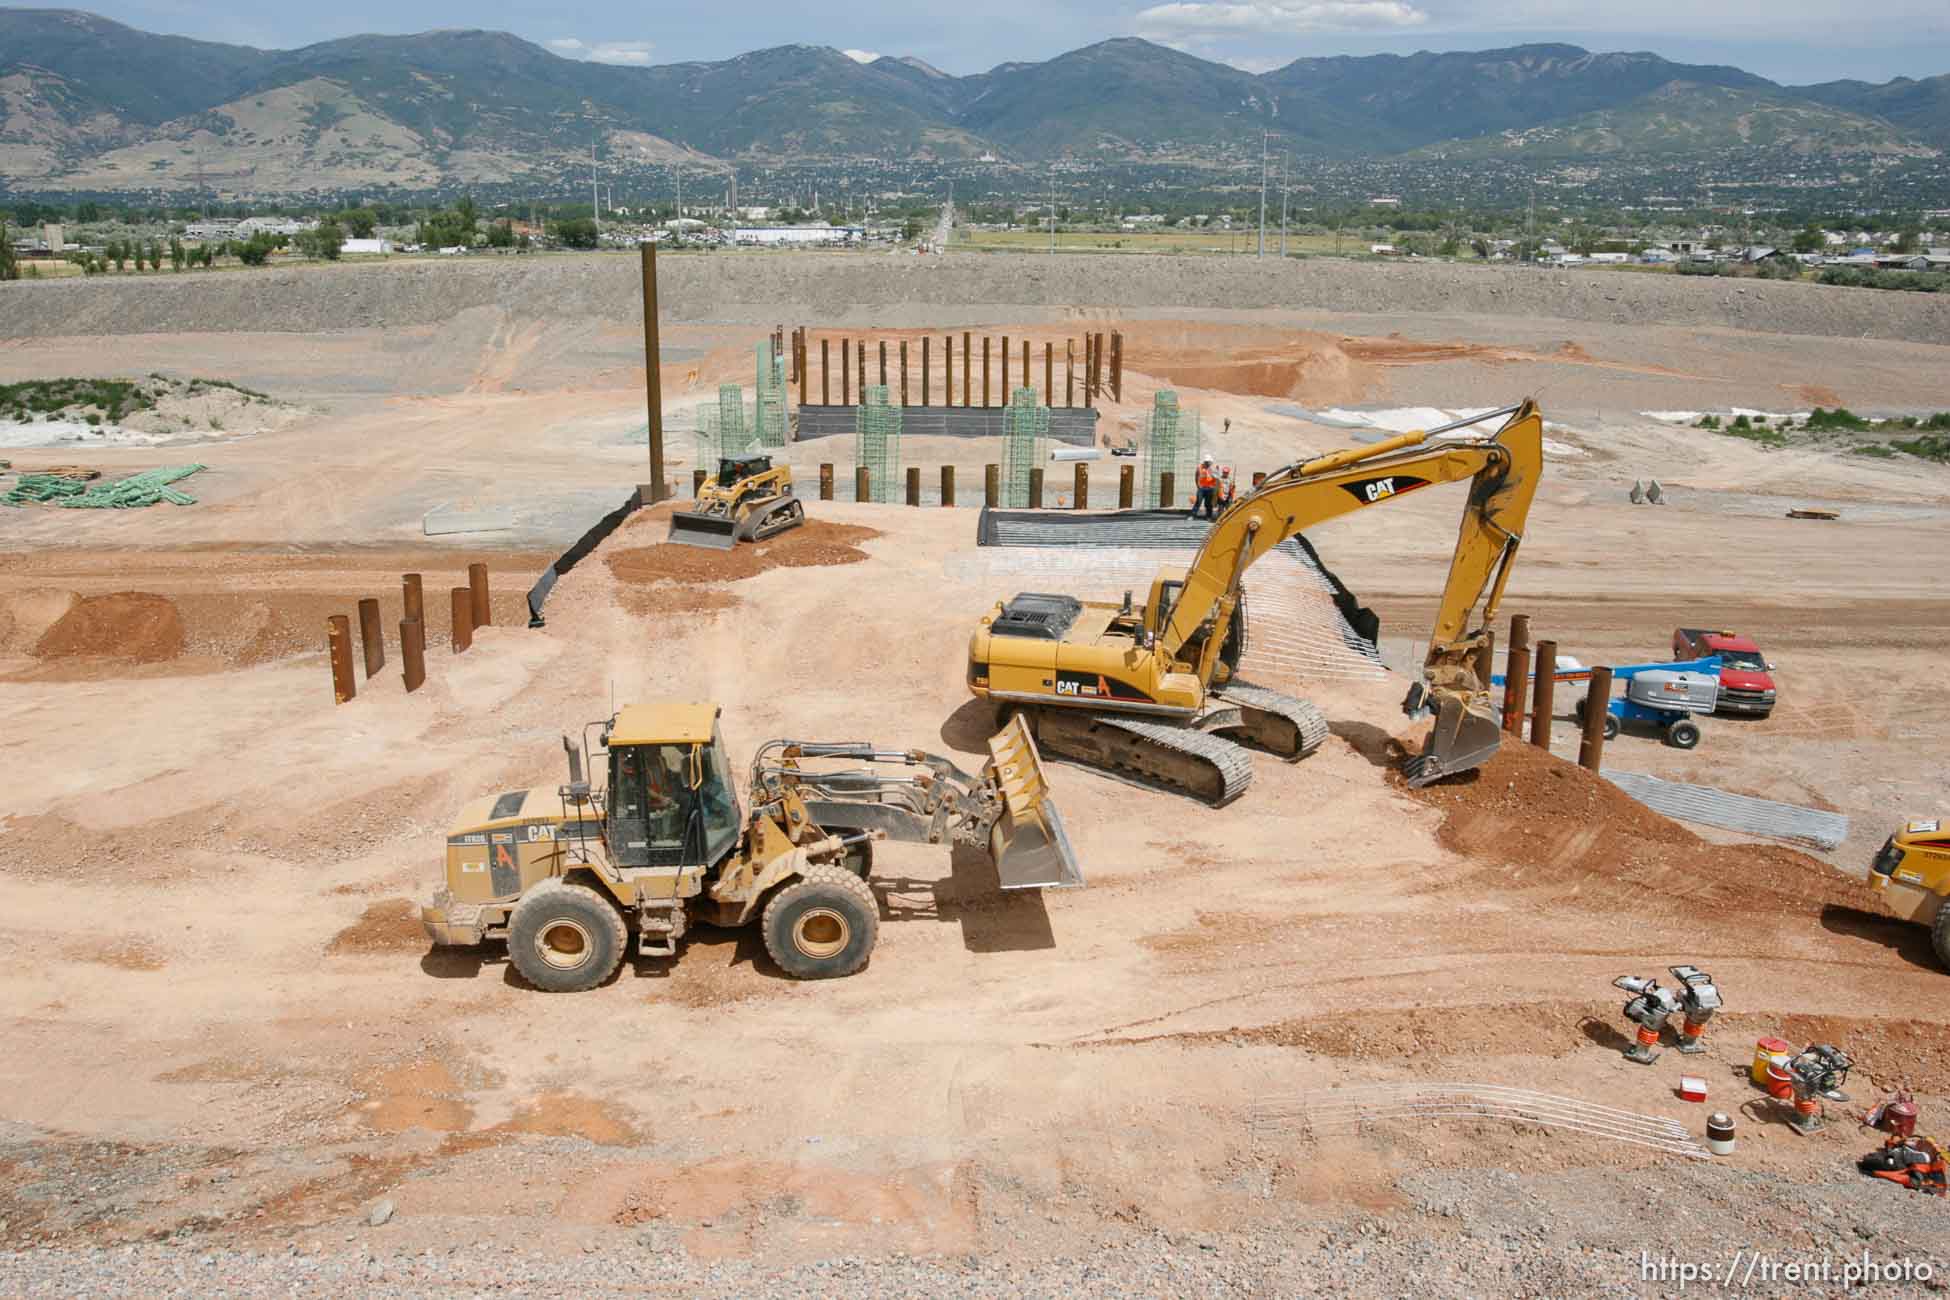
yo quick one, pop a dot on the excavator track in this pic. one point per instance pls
(772, 518)
(1205, 766)
(1276, 722)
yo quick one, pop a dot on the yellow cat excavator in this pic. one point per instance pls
(1150, 690)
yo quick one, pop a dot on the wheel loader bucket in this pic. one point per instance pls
(710, 532)
(1028, 842)
(1462, 738)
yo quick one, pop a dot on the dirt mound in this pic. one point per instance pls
(815, 543)
(390, 925)
(126, 953)
(137, 625)
(1559, 824)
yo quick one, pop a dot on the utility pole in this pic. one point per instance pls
(678, 172)
(1283, 195)
(1052, 208)
(595, 198)
(1262, 195)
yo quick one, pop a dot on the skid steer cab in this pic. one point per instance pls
(571, 877)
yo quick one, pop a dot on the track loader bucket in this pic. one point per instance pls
(1028, 843)
(710, 532)
(1462, 738)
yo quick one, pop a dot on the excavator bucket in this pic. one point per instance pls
(1030, 848)
(707, 531)
(1462, 738)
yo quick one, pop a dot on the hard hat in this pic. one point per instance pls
(1206, 461)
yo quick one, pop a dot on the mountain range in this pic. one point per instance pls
(91, 104)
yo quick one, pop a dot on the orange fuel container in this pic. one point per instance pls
(1765, 1051)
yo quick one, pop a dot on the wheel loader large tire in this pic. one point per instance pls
(823, 925)
(1940, 934)
(565, 937)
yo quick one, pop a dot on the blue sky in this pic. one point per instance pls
(1788, 40)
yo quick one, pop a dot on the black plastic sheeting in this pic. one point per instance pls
(1168, 529)
(588, 542)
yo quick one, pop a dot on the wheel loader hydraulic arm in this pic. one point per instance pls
(1503, 470)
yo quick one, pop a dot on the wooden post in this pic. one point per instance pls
(338, 644)
(460, 602)
(992, 486)
(374, 640)
(948, 372)
(862, 483)
(1005, 370)
(1126, 482)
(1520, 631)
(1597, 706)
(1083, 486)
(1089, 369)
(825, 372)
(697, 482)
(1098, 378)
(914, 485)
(947, 485)
(1516, 674)
(860, 388)
(1541, 703)
(883, 363)
(903, 372)
(1116, 367)
(410, 597)
(826, 480)
(925, 340)
(413, 653)
(1025, 364)
(477, 586)
(653, 377)
(1036, 487)
(1166, 482)
(985, 370)
(966, 371)
(846, 372)
(1069, 372)
(1049, 373)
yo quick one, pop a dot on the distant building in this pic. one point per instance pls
(212, 228)
(367, 246)
(777, 236)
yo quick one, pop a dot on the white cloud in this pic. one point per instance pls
(635, 53)
(1237, 16)
(860, 56)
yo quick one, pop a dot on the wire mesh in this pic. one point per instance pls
(1171, 441)
(877, 444)
(768, 423)
(721, 429)
(1734, 812)
(1025, 444)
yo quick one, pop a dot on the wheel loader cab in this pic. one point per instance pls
(671, 799)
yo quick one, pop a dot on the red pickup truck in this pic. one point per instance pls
(1746, 685)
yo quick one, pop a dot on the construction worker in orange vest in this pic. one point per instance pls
(1208, 491)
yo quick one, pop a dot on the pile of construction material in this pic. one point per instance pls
(74, 492)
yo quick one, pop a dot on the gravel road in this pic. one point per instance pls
(895, 290)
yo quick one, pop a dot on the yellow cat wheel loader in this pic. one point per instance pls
(1150, 690)
(748, 500)
(567, 876)
(1912, 874)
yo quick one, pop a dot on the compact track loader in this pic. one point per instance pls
(567, 876)
(1150, 690)
(748, 499)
